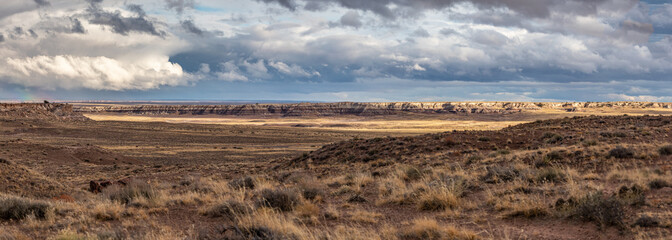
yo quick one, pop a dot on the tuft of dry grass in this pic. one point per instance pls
(108, 210)
(437, 198)
(136, 192)
(269, 224)
(363, 216)
(425, 228)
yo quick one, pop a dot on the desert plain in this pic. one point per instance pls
(336, 171)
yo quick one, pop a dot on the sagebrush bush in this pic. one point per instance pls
(632, 195)
(497, 174)
(621, 152)
(552, 138)
(603, 211)
(229, 209)
(550, 175)
(134, 190)
(18, 208)
(281, 199)
(244, 182)
(665, 150)
(658, 184)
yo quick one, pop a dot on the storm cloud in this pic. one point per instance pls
(525, 46)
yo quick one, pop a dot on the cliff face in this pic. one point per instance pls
(40, 111)
(362, 109)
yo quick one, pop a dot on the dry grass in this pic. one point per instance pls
(108, 210)
(430, 229)
(363, 216)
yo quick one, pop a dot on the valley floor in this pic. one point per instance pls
(413, 177)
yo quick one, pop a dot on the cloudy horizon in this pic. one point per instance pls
(336, 50)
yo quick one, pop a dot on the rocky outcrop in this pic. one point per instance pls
(40, 111)
(361, 109)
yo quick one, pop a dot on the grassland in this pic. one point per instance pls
(589, 177)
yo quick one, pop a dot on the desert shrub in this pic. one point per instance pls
(554, 155)
(229, 209)
(552, 138)
(484, 139)
(132, 191)
(621, 152)
(430, 229)
(603, 211)
(18, 208)
(589, 142)
(497, 174)
(281, 199)
(311, 192)
(244, 182)
(412, 174)
(613, 134)
(474, 158)
(632, 195)
(665, 150)
(550, 175)
(658, 184)
(647, 221)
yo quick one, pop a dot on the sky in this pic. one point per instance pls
(336, 50)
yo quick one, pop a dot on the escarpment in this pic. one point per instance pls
(362, 109)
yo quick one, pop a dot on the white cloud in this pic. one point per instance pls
(292, 70)
(100, 73)
(231, 72)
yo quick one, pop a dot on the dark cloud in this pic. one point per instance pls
(289, 4)
(18, 30)
(120, 24)
(77, 26)
(530, 8)
(351, 19)
(2, 38)
(316, 6)
(136, 9)
(191, 27)
(32, 33)
(42, 3)
(180, 5)
(421, 32)
(447, 31)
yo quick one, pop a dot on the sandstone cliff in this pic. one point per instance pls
(361, 109)
(40, 111)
